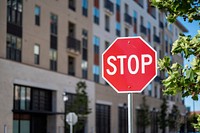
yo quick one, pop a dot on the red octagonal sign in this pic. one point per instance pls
(129, 64)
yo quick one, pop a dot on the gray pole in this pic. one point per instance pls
(71, 128)
(130, 112)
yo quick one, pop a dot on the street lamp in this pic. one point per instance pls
(65, 98)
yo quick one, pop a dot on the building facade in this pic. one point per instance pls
(47, 47)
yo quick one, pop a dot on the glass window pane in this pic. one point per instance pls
(13, 43)
(15, 126)
(24, 126)
(22, 98)
(17, 97)
(28, 98)
(37, 10)
(36, 49)
(19, 43)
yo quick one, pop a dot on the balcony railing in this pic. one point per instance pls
(127, 18)
(109, 5)
(156, 38)
(143, 29)
(74, 44)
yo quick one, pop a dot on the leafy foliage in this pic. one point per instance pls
(80, 105)
(144, 114)
(197, 125)
(163, 120)
(191, 119)
(182, 79)
(174, 119)
(188, 9)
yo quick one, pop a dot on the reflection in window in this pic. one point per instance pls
(14, 12)
(37, 15)
(53, 59)
(36, 54)
(14, 45)
(54, 24)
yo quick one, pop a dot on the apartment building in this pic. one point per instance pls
(46, 47)
(122, 18)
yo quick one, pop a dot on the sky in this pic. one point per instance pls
(192, 28)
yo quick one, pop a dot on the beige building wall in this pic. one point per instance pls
(3, 28)
(16, 73)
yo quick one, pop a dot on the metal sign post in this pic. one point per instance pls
(130, 112)
(71, 119)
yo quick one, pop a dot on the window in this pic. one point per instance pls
(150, 89)
(96, 12)
(84, 64)
(123, 120)
(72, 5)
(71, 29)
(71, 66)
(96, 73)
(96, 43)
(53, 41)
(107, 23)
(166, 45)
(126, 32)
(151, 9)
(135, 22)
(96, 15)
(118, 29)
(14, 12)
(37, 15)
(53, 59)
(21, 123)
(102, 118)
(139, 121)
(27, 98)
(54, 24)
(141, 20)
(149, 31)
(107, 44)
(36, 54)
(14, 46)
(170, 28)
(85, 7)
(154, 121)
(155, 91)
(141, 3)
(126, 8)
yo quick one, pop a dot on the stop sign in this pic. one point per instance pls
(129, 64)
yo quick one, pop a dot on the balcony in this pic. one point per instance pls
(73, 45)
(161, 25)
(127, 18)
(109, 6)
(156, 38)
(143, 29)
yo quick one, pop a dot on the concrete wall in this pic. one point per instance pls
(16, 73)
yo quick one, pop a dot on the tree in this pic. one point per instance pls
(197, 124)
(163, 122)
(191, 119)
(144, 115)
(79, 105)
(174, 119)
(182, 79)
